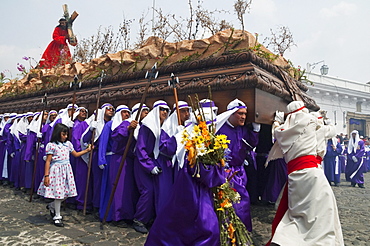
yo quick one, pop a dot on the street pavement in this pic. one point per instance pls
(25, 223)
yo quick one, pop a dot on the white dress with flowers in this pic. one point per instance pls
(62, 183)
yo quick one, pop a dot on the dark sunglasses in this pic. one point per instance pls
(83, 111)
(163, 109)
(110, 109)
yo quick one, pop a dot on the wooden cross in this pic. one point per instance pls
(72, 38)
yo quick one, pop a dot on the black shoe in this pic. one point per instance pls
(5, 182)
(336, 184)
(11, 185)
(361, 186)
(120, 224)
(353, 184)
(139, 227)
(51, 211)
(58, 223)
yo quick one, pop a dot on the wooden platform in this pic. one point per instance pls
(264, 87)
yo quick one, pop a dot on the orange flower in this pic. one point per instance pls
(220, 194)
(191, 156)
(188, 145)
(203, 125)
(222, 162)
(231, 231)
(226, 203)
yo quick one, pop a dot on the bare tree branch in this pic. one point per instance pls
(282, 40)
(240, 7)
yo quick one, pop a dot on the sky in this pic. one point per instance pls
(330, 32)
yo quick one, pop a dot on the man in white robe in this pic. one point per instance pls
(307, 213)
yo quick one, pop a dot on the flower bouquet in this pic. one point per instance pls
(232, 230)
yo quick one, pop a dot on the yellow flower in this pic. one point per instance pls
(200, 139)
(196, 130)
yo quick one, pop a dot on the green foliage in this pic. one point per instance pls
(190, 57)
(298, 74)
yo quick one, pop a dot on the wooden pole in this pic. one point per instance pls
(92, 142)
(37, 148)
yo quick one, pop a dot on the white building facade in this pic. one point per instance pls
(347, 102)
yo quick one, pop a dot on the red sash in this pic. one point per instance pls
(299, 163)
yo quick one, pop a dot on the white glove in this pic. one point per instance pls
(256, 127)
(39, 135)
(93, 125)
(179, 128)
(354, 158)
(279, 116)
(44, 157)
(12, 155)
(69, 123)
(101, 167)
(327, 121)
(155, 171)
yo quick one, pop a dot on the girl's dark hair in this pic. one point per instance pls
(58, 129)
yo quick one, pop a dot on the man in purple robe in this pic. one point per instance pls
(167, 149)
(23, 133)
(123, 205)
(101, 152)
(16, 178)
(189, 217)
(146, 167)
(32, 139)
(243, 139)
(332, 166)
(78, 164)
(7, 138)
(355, 161)
(343, 158)
(3, 119)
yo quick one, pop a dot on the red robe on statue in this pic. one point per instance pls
(57, 51)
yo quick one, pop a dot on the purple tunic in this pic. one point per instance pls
(343, 159)
(332, 167)
(18, 168)
(164, 181)
(96, 172)
(144, 163)
(277, 176)
(29, 156)
(7, 137)
(126, 194)
(189, 217)
(104, 155)
(28, 166)
(355, 170)
(79, 167)
(239, 151)
(2, 155)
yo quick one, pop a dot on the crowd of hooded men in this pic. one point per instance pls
(153, 168)
(149, 171)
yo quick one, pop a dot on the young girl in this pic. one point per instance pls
(58, 182)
